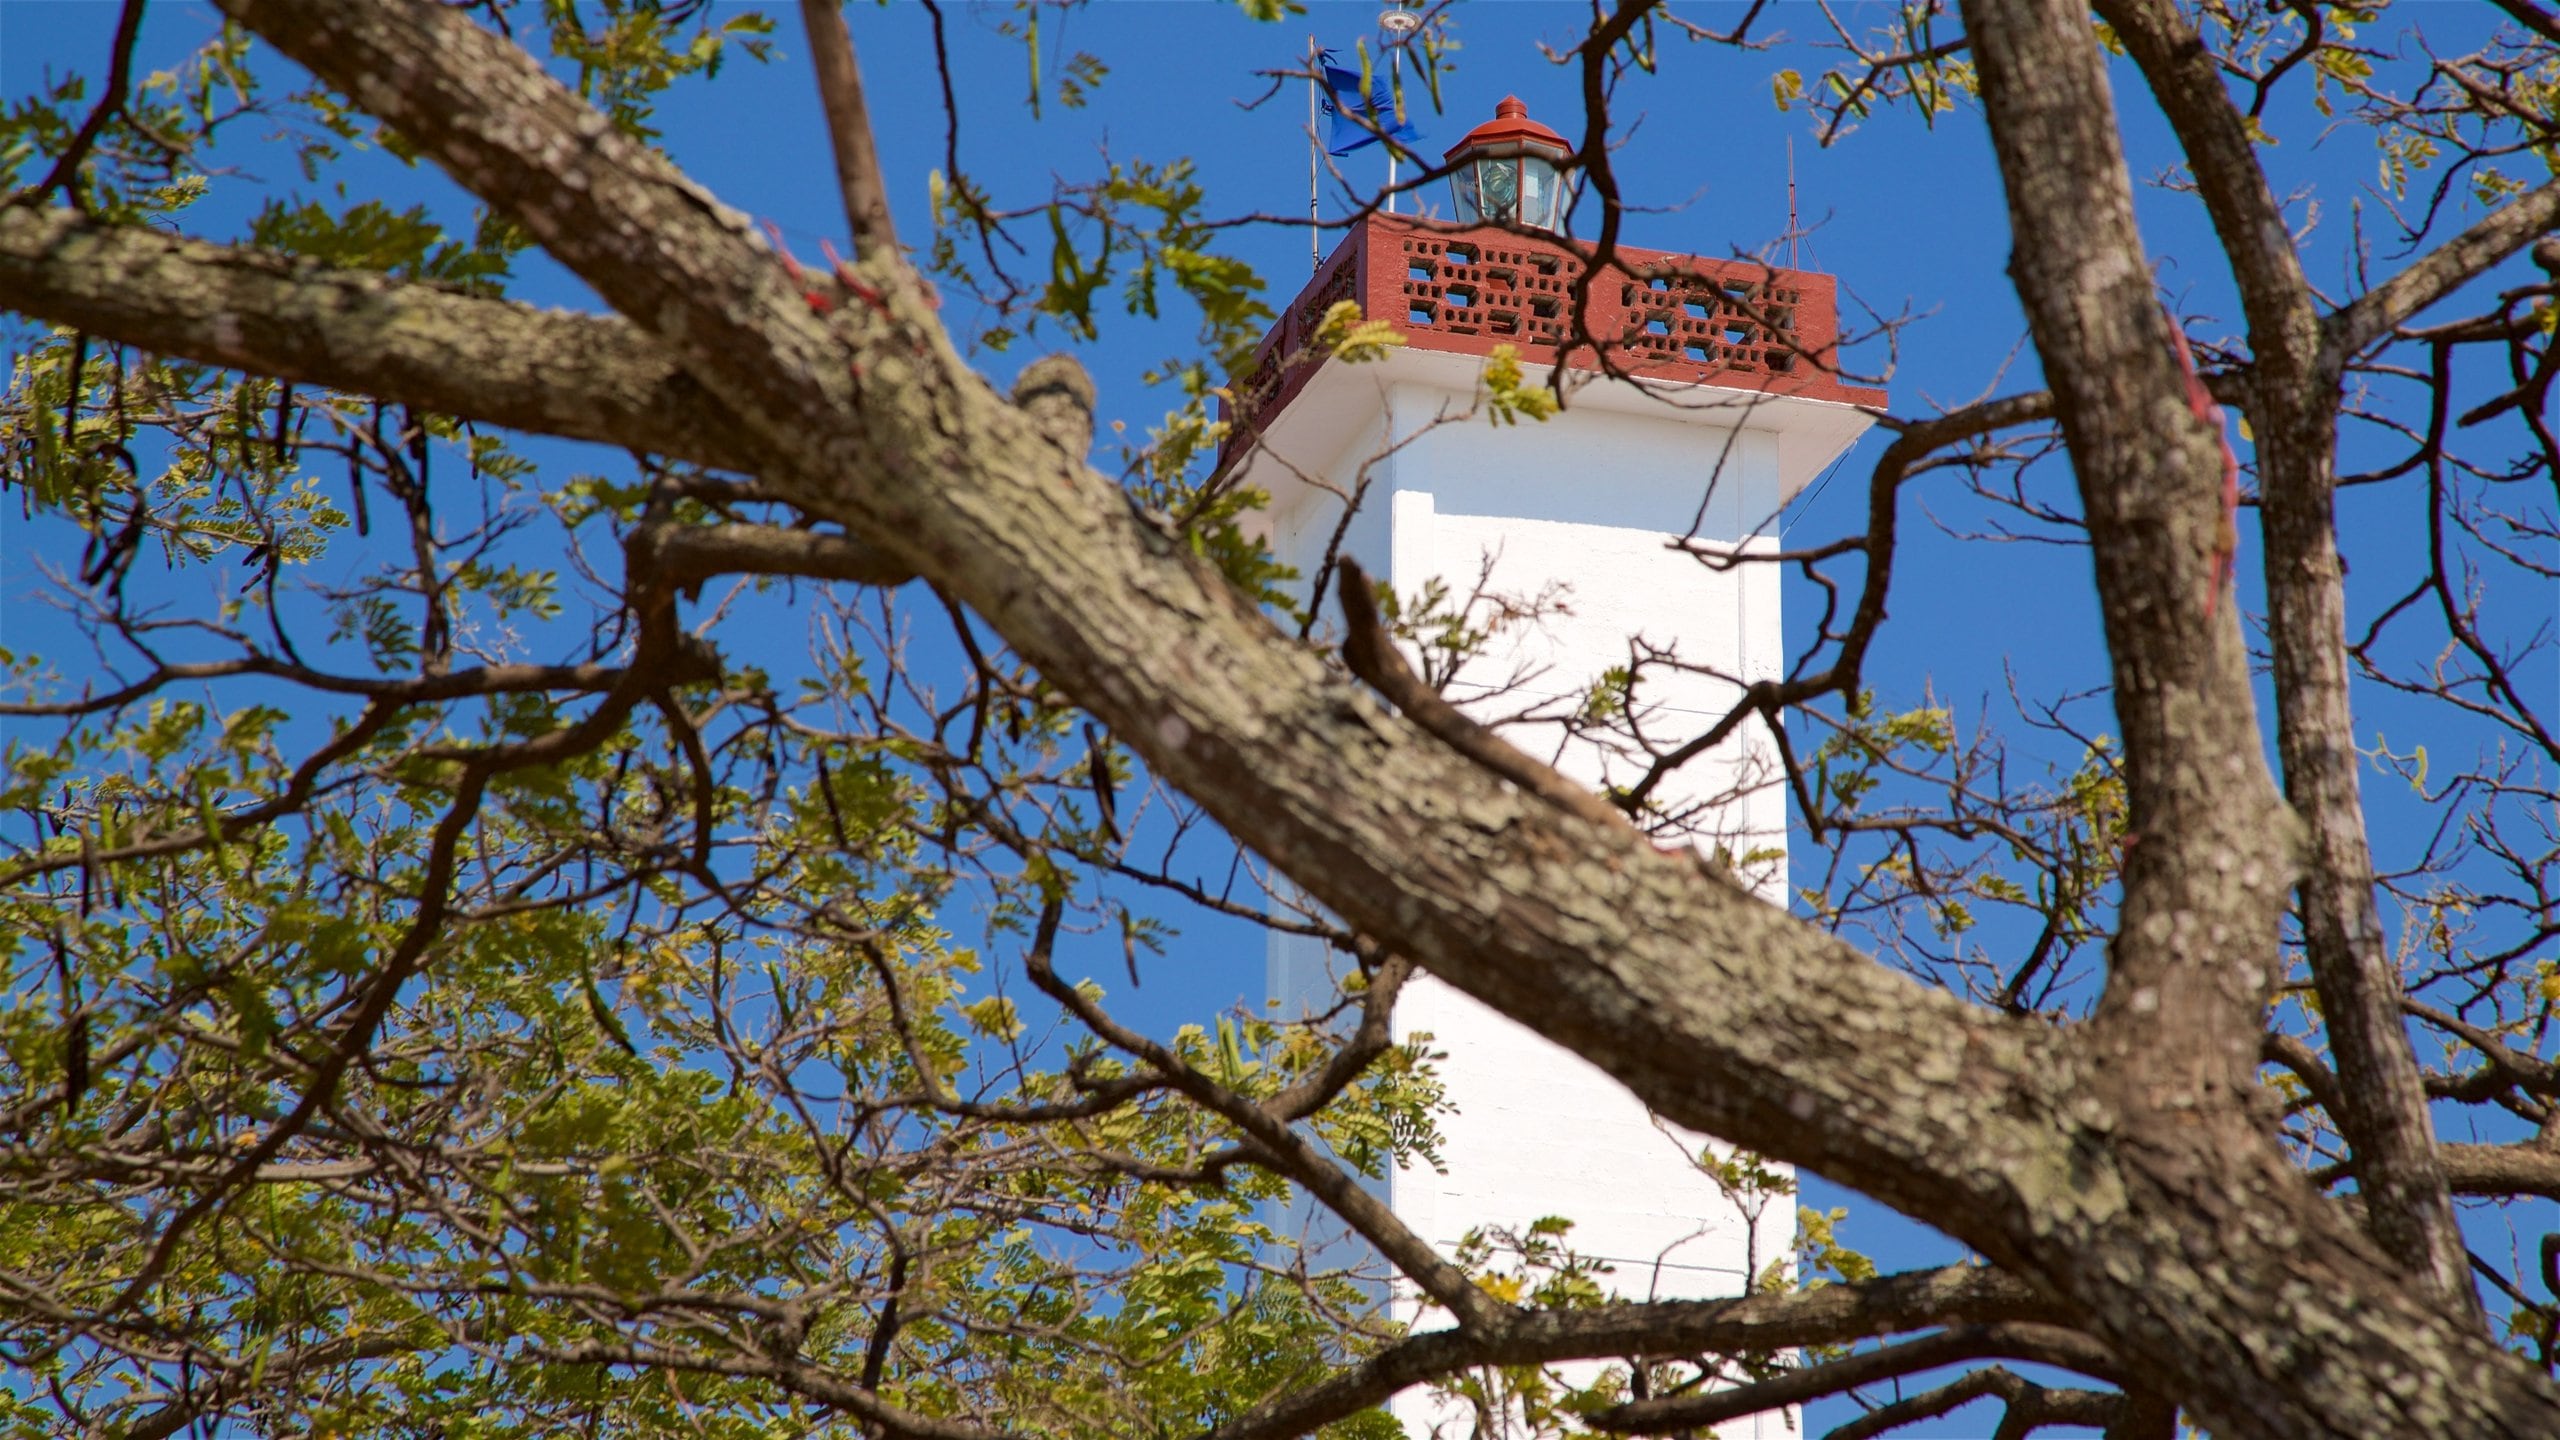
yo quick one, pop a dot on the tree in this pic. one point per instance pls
(415, 1036)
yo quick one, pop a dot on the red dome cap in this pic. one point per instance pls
(1510, 126)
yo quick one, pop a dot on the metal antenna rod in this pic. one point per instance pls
(1792, 232)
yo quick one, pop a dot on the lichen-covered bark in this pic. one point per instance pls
(2122, 1168)
(2193, 963)
(1956, 1295)
(2295, 394)
(585, 377)
(2209, 857)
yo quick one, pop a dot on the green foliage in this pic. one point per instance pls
(692, 1055)
(1895, 62)
(1860, 747)
(620, 1099)
(1216, 533)
(1172, 238)
(630, 51)
(1536, 1268)
(1820, 1257)
(371, 236)
(1508, 397)
(2046, 854)
(141, 165)
(1348, 336)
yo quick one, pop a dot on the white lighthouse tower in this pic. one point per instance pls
(1614, 515)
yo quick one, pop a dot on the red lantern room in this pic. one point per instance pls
(1502, 273)
(1508, 171)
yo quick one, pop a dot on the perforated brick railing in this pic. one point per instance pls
(1501, 289)
(1661, 316)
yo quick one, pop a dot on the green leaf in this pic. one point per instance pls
(995, 1018)
(1508, 397)
(602, 1014)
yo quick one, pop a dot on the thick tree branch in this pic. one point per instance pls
(2443, 270)
(816, 1382)
(2208, 858)
(2283, 327)
(494, 361)
(2383, 1109)
(691, 554)
(1058, 396)
(2533, 17)
(2200, 874)
(2502, 1170)
(2138, 1415)
(2290, 1052)
(2195, 786)
(1956, 1295)
(2044, 1344)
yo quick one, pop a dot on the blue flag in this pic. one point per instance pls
(1378, 106)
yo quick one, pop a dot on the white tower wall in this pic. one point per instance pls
(1591, 504)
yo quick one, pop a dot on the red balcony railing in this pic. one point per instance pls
(1661, 316)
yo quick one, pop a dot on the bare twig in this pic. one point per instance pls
(866, 198)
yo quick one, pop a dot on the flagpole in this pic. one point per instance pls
(1395, 87)
(1315, 231)
(1394, 24)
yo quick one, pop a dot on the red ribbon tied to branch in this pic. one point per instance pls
(2226, 550)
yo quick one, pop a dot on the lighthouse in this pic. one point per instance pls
(1700, 400)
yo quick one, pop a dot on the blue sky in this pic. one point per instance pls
(1907, 215)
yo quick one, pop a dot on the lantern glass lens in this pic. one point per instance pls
(1538, 193)
(1509, 190)
(1500, 180)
